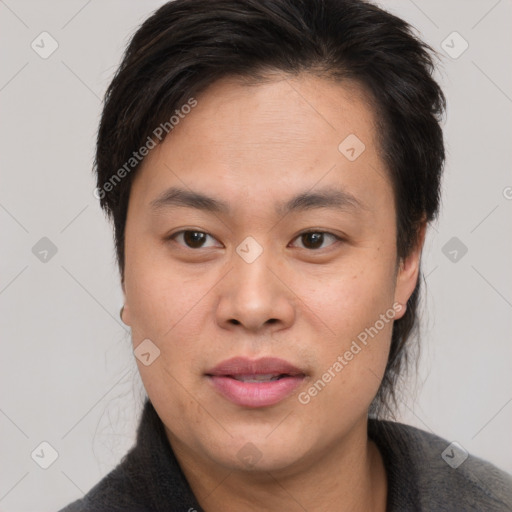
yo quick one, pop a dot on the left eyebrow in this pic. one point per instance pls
(326, 197)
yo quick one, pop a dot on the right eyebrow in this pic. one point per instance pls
(176, 196)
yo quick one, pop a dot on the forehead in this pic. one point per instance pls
(283, 112)
(270, 139)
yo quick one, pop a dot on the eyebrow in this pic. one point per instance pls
(321, 198)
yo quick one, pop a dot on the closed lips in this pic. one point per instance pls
(255, 383)
(265, 368)
(258, 378)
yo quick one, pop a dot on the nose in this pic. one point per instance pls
(254, 297)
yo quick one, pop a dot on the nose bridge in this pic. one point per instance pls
(251, 273)
(252, 295)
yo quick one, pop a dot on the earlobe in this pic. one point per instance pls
(408, 272)
(123, 312)
(124, 315)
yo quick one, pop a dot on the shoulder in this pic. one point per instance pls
(148, 478)
(115, 492)
(442, 474)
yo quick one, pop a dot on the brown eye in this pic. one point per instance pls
(314, 240)
(192, 239)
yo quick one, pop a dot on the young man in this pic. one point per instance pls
(270, 167)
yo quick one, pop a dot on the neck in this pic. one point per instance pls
(346, 476)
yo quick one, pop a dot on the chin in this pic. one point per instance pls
(259, 449)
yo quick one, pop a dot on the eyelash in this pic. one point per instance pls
(312, 231)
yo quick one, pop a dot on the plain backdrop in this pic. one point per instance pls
(68, 376)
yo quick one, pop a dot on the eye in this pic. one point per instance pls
(314, 240)
(192, 239)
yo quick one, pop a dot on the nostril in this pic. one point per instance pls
(269, 321)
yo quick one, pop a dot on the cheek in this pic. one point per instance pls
(352, 364)
(356, 304)
(160, 297)
(353, 296)
(169, 309)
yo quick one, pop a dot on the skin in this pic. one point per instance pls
(301, 300)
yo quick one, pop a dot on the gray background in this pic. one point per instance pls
(68, 376)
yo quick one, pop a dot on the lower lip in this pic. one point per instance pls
(255, 394)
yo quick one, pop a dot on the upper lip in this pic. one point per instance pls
(264, 366)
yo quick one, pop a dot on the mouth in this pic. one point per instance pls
(255, 383)
(269, 377)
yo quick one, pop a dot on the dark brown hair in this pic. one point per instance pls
(186, 45)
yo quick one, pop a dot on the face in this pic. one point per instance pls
(288, 264)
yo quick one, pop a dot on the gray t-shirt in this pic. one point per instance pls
(424, 472)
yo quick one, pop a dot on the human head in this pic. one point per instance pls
(189, 45)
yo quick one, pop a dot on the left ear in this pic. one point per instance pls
(408, 272)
